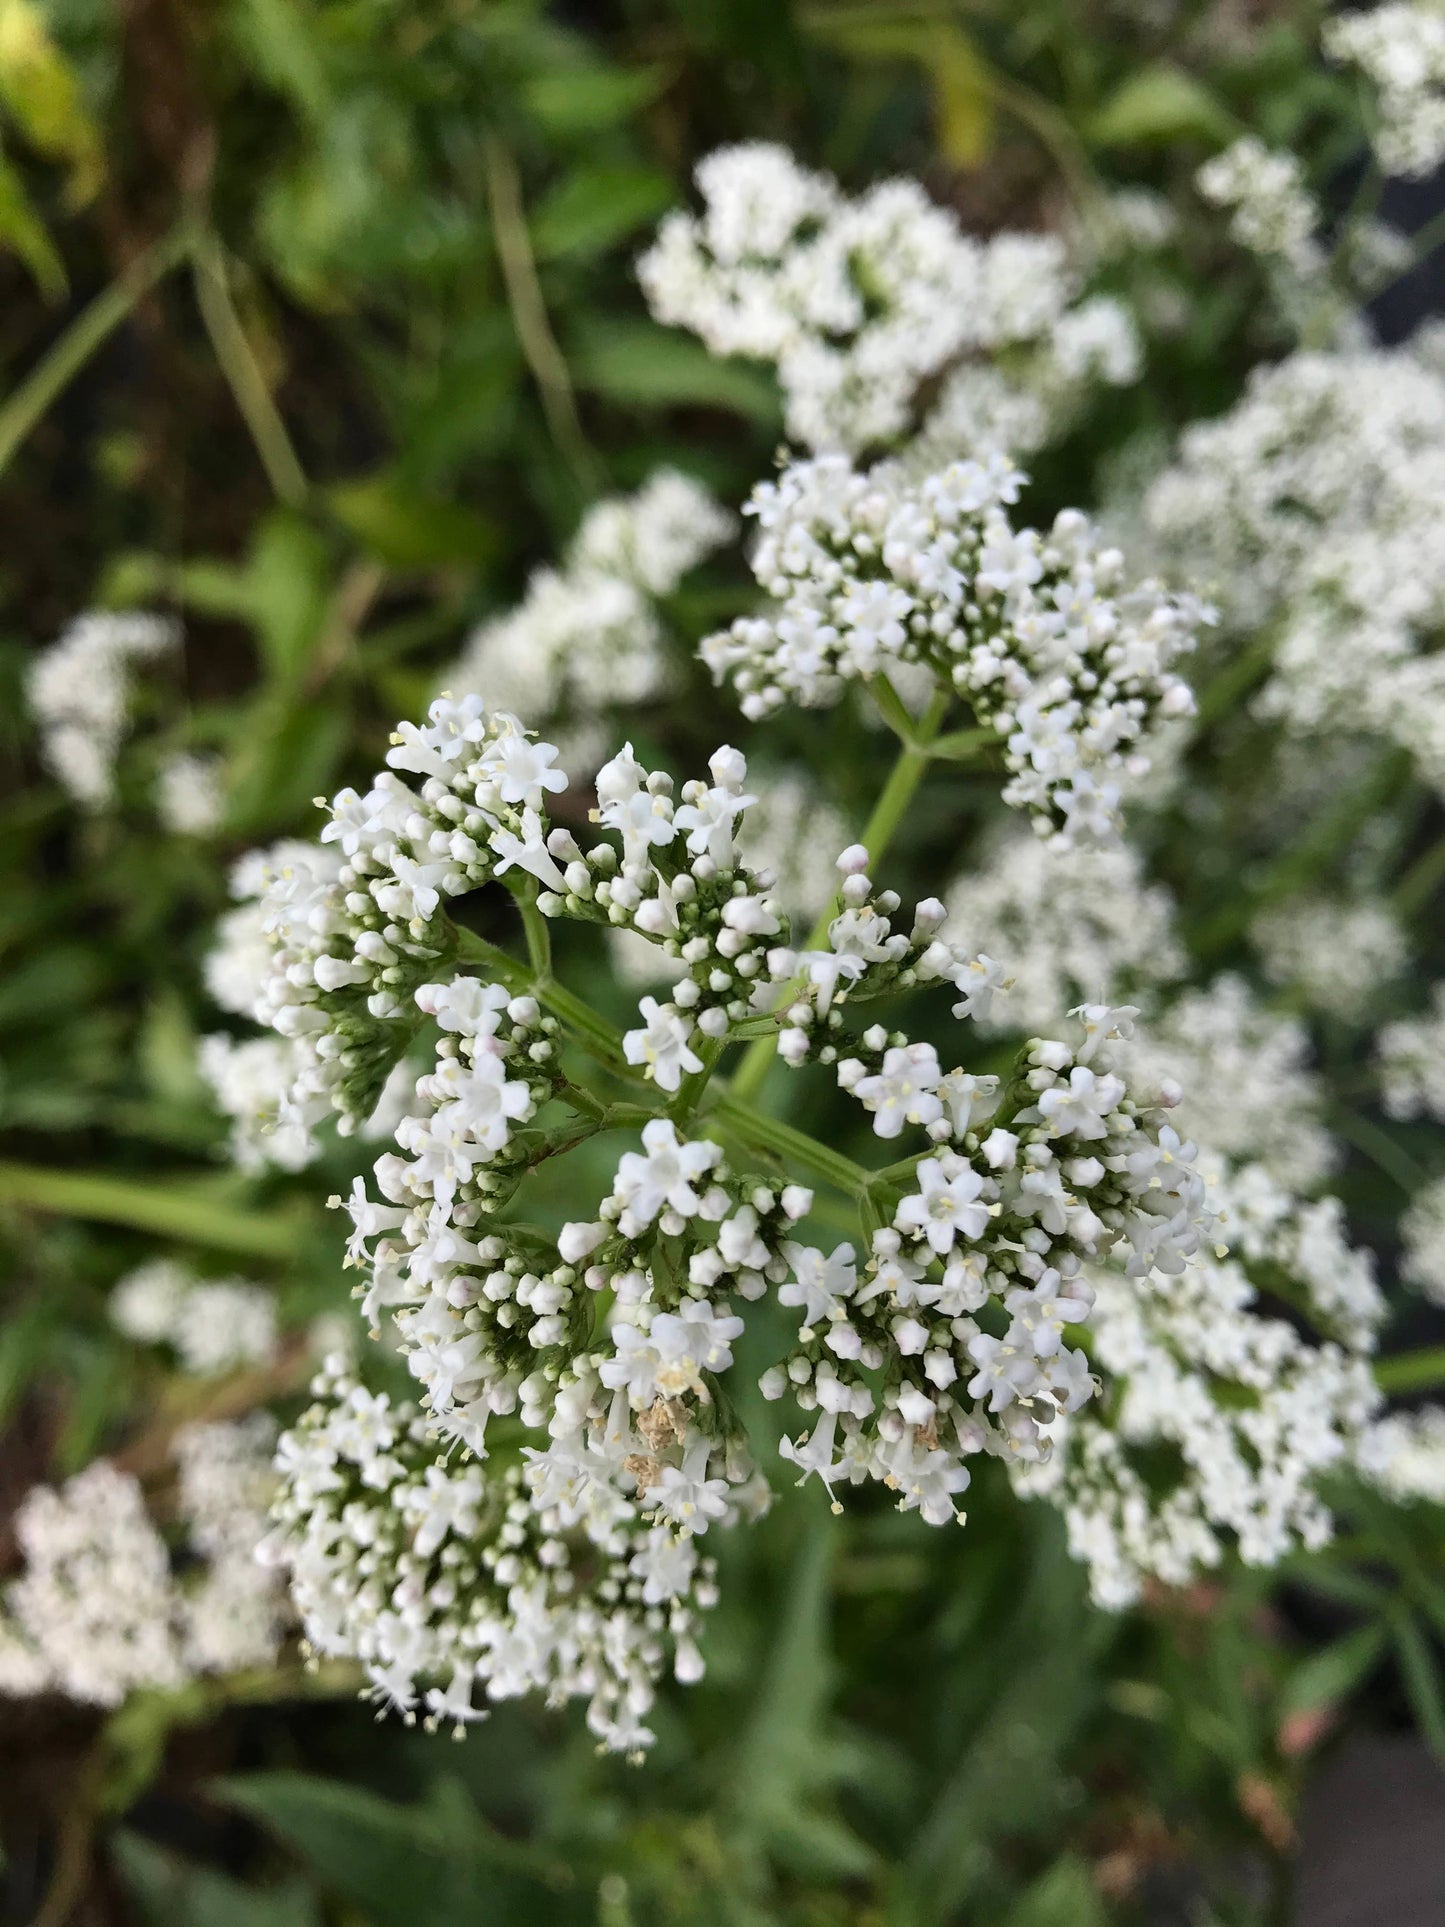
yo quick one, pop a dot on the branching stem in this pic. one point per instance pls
(904, 778)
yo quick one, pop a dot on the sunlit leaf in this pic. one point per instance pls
(1161, 103)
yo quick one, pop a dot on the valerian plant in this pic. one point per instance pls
(1031, 1192)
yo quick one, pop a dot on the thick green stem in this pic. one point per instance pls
(88, 332)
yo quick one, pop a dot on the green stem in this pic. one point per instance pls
(891, 708)
(1378, 1146)
(1419, 883)
(472, 948)
(163, 1209)
(539, 937)
(1423, 244)
(904, 778)
(690, 1091)
(91, 328)
(243, 374)
(1422, 1371)
(1222, 695)
(761, 1132)
(960, 745)
(603, 1041)
(529, 310)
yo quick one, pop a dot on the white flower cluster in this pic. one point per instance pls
(1422, 1230)
(587, 635)
(1412, 1062)
(105, 1607)
(1077, 926)
(1340, 954)
(1198, 1368)
(1273, 213)
(860, 303)
(190, 794)
(1313, 510)
(213, 1325)
(789, 833)
(352, 930)
(1250, 1095)
(259, 1083)
(1404, 1456)
(79, 692)
(610, 1344)
(1400, 48)
(972, 1282)
(1248, 1415)
(1221, 1420)
(1037, 632)
(426, 1570)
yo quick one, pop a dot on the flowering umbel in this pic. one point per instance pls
(537, 1521)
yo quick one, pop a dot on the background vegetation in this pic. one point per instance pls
(320, 329)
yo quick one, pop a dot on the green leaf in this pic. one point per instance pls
(409, 530)
(171, 1892)
(177, 1209)
(1065, 1896)
(405, 1866)
(23, 231)
(782, 1772)
(638, 364)
(579, 100)
(282, 41)
(593, 208)
(1160, 104)
(40, 88)
(1420, 1671)
(288, 755)
(957, 76)
(1331, 1675)
(1342, 1582)
(289, 574)
(166, 1050)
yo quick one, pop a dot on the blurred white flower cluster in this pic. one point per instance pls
(1400, 48)
(1077, 926)
(111, 1601)
(1272, 213)
(213, 1325)
(1311, 513)
(587, 635)
(1404, 1455)
(79, 692)
(861, 303)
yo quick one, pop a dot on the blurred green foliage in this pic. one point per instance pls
(388, 349)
